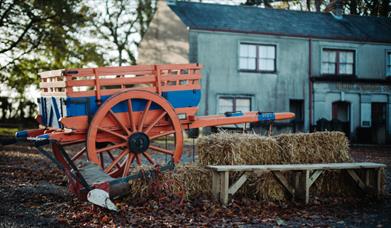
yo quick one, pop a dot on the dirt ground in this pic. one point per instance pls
(33, 194)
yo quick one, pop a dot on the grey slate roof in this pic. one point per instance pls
(248, 19)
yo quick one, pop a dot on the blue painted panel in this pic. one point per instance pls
(80, 106)
(266, 116)
(232, 114)
(21, 134)
(183, 98)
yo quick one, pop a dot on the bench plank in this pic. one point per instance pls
(297, 167)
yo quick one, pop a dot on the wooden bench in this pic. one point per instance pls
(304, 177)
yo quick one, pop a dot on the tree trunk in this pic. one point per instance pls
(353, 7)
(317, 5)
(119, 56)
(384, 8)
(308, 2)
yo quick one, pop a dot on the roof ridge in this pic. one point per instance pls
(277, 9)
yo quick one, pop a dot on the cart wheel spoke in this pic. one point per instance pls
(138, 159)
(145, 113)
(162, 134)
(130, 113)
(128, 163)
(120, 156)
(112, 159)
(119, 122)
(155, 122)
(149, 158)
(111, 147)
(113, 133)
(164, 151)
(102, 161)
(79, 154)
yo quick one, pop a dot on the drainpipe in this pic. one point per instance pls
(309, 81)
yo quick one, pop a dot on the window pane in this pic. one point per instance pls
(271, 52)
(332, 56)
(266, 64)
(267, 51)
(350, 57)
(252, 51)
(243, 50)
(243, 63)
(247, 63)
(225, 105)
(331, 68)
(325, 68)
(328, 68)
(342, 57)
(325, 56)
(270, 64)
(262, 51)
(247, 50)
(342, 68)
(349, 68)
(243, 104)
(251, 64)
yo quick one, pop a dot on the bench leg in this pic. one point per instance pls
(215, 185)
(379, 183)
(303, 182)
(220, 186)
(306, 185)
(224, 185)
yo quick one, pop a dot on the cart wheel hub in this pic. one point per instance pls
(138, 142)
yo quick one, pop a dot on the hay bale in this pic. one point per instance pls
(239, 149)
(317, 147)
(236, 149)
(192, 179)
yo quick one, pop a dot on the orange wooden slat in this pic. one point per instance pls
(181, 87)
(173, 77)
(105, 92)
(71, 83)
(179, 66)
(128, 81)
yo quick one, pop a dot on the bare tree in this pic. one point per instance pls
(122, 23)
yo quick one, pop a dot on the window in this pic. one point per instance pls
(338, 62)
(257, 58)
(297, 107)
(388, 63)
(234, 104)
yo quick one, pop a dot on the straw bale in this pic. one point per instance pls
(192, 179)
(239, 149)
(236, 149)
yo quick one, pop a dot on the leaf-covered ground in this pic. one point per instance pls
(33, 193)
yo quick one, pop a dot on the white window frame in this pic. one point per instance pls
(257, 58)
(337, 63)
(230, 96)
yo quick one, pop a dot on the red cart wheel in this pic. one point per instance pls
(127, 129)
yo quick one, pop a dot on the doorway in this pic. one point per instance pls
(379, 118)
(341, 117)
